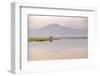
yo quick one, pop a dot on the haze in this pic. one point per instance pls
(73, 22)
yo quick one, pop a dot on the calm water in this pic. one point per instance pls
(58, 49)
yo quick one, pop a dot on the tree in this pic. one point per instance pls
(50, 38)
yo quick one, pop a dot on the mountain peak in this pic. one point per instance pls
(53, 25)
(56, 30)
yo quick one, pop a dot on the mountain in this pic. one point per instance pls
(57, 30)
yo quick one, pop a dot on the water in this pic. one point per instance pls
(58, 49)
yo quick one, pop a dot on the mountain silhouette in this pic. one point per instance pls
(57, 30)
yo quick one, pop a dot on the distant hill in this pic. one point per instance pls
(57, 30)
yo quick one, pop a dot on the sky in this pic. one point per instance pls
(73, 22)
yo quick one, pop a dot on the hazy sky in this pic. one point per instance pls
(73, 22)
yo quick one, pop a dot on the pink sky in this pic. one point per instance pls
(73, 22)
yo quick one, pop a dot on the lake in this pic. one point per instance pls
(58, 49)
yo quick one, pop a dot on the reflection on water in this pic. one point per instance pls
(58, 49)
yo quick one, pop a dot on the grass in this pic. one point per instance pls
(38, 39)
(42, 39)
